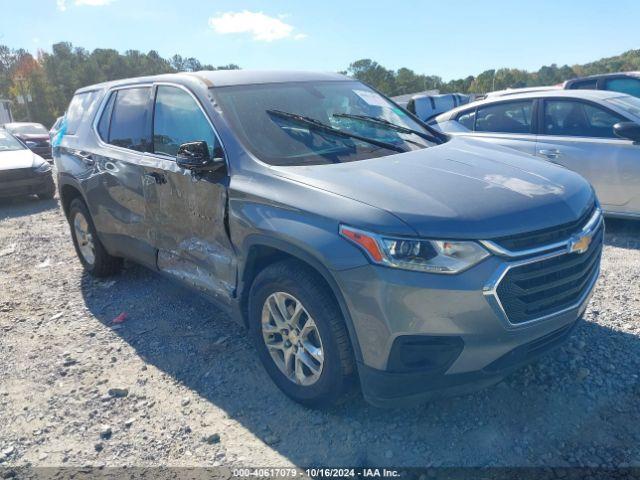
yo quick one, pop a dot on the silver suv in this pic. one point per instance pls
(357, 245)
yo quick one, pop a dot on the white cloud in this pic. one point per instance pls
(263, 27)
(93, 3)
(62, 4)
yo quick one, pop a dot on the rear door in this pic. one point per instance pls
(509, 123)
(579, 135)
(115, 193)
(185, 210)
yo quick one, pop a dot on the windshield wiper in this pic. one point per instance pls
(323, 127)
(386, 123)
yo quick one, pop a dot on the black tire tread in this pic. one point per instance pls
(105, 265)
(300, 273)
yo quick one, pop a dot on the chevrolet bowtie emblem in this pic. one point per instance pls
(580, 243)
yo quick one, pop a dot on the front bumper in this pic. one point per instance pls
(482, 346)
(38, 183)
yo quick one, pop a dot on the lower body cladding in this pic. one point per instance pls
(32, 184)
(422, 336)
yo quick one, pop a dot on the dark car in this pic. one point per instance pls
(34, 135)
(21, 171)
(357, 245)
(622, 82)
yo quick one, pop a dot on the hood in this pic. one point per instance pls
(462, 189)
(36, 137)
(19, 159)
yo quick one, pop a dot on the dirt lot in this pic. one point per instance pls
(179, 384)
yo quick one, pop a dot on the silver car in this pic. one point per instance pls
(595, 133)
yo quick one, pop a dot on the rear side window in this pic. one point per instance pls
(510, 117)
(578, 119)
(591, 84)
(630, 86)
(79, 105)
(130, 125)
(105, 119)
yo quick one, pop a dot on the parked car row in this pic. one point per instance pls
(595, 133)
(22, 172)
(357, 244)
(34, 135)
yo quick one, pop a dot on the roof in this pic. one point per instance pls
(18, 124)
(604, 75)
(408, 96)
(556, 92)
(225, 78)
(515, 91)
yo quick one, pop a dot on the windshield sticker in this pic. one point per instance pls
(372, 98)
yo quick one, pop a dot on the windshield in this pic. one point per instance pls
(257, 113)
(30, 129)
(9, 143)
(627, 103)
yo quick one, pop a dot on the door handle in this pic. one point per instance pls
(553, 153)
(85, 157)
(154, 177)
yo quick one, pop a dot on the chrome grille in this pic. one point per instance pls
(546, 236)
(540, 288)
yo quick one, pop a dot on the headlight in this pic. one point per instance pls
(30, 144)
(43, 168)
(433, 256)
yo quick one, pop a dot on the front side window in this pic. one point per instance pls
(578, 119)
(509, 117)
(9, 143)
(630, 86)
(262, 116)
(130, 125)
(178, 119)
(467, 119)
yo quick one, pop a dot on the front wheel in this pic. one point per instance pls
(91, 252)
(48, 193)
(300, 334)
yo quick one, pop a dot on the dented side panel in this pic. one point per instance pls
(186, 216)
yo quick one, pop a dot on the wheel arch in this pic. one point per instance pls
(69, 191)
(263, 251)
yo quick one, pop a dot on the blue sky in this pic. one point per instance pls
(446, 38)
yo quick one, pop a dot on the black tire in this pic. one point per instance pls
(49, 193)
(104, 264)
(337, 377)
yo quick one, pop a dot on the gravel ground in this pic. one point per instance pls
(177, 383)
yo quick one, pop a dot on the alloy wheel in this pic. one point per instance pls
(292, 338)
(84, 238)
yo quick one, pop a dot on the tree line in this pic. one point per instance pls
(50, 78)
(41, 86)
(405, 80)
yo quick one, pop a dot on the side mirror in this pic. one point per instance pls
(628, 130)
(195, 156)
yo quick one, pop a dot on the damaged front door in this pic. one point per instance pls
(187, 211)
